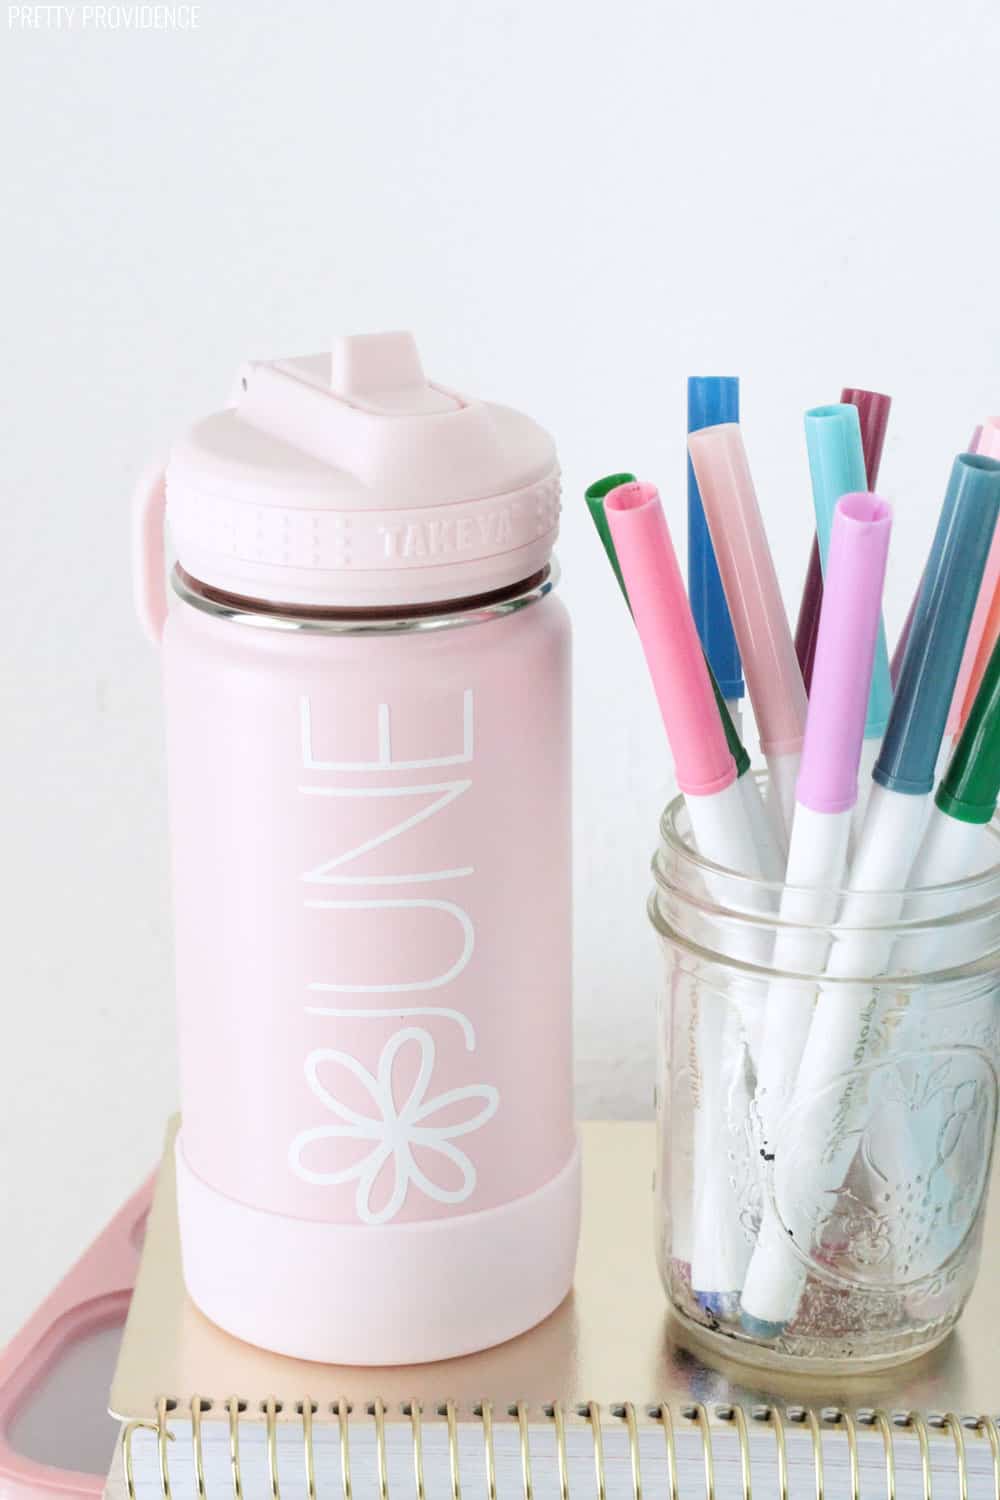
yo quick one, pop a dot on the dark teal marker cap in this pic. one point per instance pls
(941, 622)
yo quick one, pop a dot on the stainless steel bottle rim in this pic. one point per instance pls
(451, 616)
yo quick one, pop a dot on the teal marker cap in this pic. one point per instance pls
(837, 467)
(971, 785)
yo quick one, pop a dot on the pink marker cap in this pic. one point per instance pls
(773, 676)
(702, 760)
(845, 653)
(986, 439)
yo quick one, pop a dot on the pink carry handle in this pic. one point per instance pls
(94, 1295)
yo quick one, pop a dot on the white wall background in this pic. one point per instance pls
(574, 205)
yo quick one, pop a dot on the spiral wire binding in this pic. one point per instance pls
(456, 1474)
(199, 1465)
(989, 1426)
(632, 1425)
(881, 1421)
(343, 1411)
(920, 1426)
(700, 1415)
(308, 1410)
(383, 1457)
(695, 1416)
(593, 1413)
(271, 1418)
(233, 1410)
(954, 1426)
(852, 1449)
(817, 1446)
(778, 1423)
(560, 1430)
(417, 1432)
(522, 1430)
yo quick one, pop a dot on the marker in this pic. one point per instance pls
(988, 443)
(711, 399)
(703, 763)
(711, 1140)
(873, 413)
(896, 665)
(766, 837)
(904, 635)
(987, 641)
(706, 774)
(837, 467)
(957, 844)
(823, 1118)
(826, 794)
(751, 583)
(594, 496)
(807, 624)
(771, 854)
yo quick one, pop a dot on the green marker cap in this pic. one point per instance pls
(971, 785)
(594, 496)
(737, 749)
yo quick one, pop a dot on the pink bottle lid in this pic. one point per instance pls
(703, 763)
(350, 480)
(845, 653)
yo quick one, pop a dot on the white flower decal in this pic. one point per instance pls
(395, 1129)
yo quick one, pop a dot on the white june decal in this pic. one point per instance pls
(437, 981)
(394, 1130)
(447, 792)
(385, 761)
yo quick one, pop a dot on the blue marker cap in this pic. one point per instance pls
(712, 399)
(941, 621)
(837, 467)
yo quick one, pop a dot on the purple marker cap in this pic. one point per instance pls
(845, 653)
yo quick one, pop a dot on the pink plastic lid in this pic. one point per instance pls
(350, 480)
(703, 763)
(774, 679)
(845, 653)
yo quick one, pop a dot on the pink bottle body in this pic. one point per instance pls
(367, 693)
(372, 910)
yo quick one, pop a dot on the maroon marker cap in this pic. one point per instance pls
(873, 416)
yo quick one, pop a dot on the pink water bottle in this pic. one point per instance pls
(368, 720)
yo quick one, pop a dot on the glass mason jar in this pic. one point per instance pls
(839, 1221)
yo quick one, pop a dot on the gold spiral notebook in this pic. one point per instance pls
(601, 1401)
